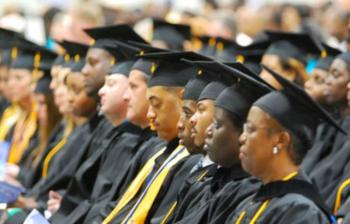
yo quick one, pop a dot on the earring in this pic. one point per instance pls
(275, 150)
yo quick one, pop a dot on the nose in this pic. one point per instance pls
(242, 138)
(126, 96)
(180, 124)
(193, 119)
(102, 91)
(150, 113)
(209, 131)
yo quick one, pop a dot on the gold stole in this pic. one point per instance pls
(140, 210)
(8, 119)
(56, 149)
(24, 130)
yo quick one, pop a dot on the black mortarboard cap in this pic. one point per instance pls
(298, 46)
(201, 79)
(226, 50)
(124, 55)
(329, 53)
(239, 97)
(294, 109)
(103, 36)
(172, 34)
(252, 54)
(142, 64)
(345, 56)
(168, 68)
(28, 55)
(207, 45)
(7, 37)
(74, 56)
(5, 58)
(227, 78)
(43, 84)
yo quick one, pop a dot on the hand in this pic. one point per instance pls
(23, 202)
(12, 170)
(340, 221)
(54, 203)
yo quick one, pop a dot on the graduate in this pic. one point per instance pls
(62, 165)
(28, 65)
(327, 171)
(7, 37)
(315, 85)
(279, 130)
(135, 96)
(152, 193)
(231, 108)
(288, 54)
(49, 119)
(120, 149)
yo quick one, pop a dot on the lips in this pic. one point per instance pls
(193, 133)
(242, 153)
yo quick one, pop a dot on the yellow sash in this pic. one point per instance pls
(8, 119)
(24, 130)
(68, 130)
(148, 196)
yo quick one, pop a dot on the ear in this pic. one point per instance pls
(284, 140)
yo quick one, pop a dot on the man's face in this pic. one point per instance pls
(135, 96)
(96, 67)
(184, 125)
(111, 94)
(164, 111)
(336, 82)
(201, 120)
(222, 142)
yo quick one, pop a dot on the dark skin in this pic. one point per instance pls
(316, 86)
(184, 125)
(98, 61)
(336, 83)
(201, 120)
(222, 141)
(261, 133)
(273, 62)
(83, 105)
(164, 110)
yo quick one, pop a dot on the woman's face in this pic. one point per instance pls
(41, 108)
(257, 142)
(81, 104)
(273, 62)
(222, 143)
(316, 86)
(61, 94)
(4, 76)
(19, 84)
(336, 82)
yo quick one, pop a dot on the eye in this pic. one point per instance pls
(216, 124)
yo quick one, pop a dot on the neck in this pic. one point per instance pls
(279, 172)
(116, 119)
(344, 110)
(26, 104)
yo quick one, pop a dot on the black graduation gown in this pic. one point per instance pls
(4, 103)
(222, 192)
(69, 158)
(143, 154)
(113, 161)
(284, 203)
(167, 194)
(328, 172)
(28, 174)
